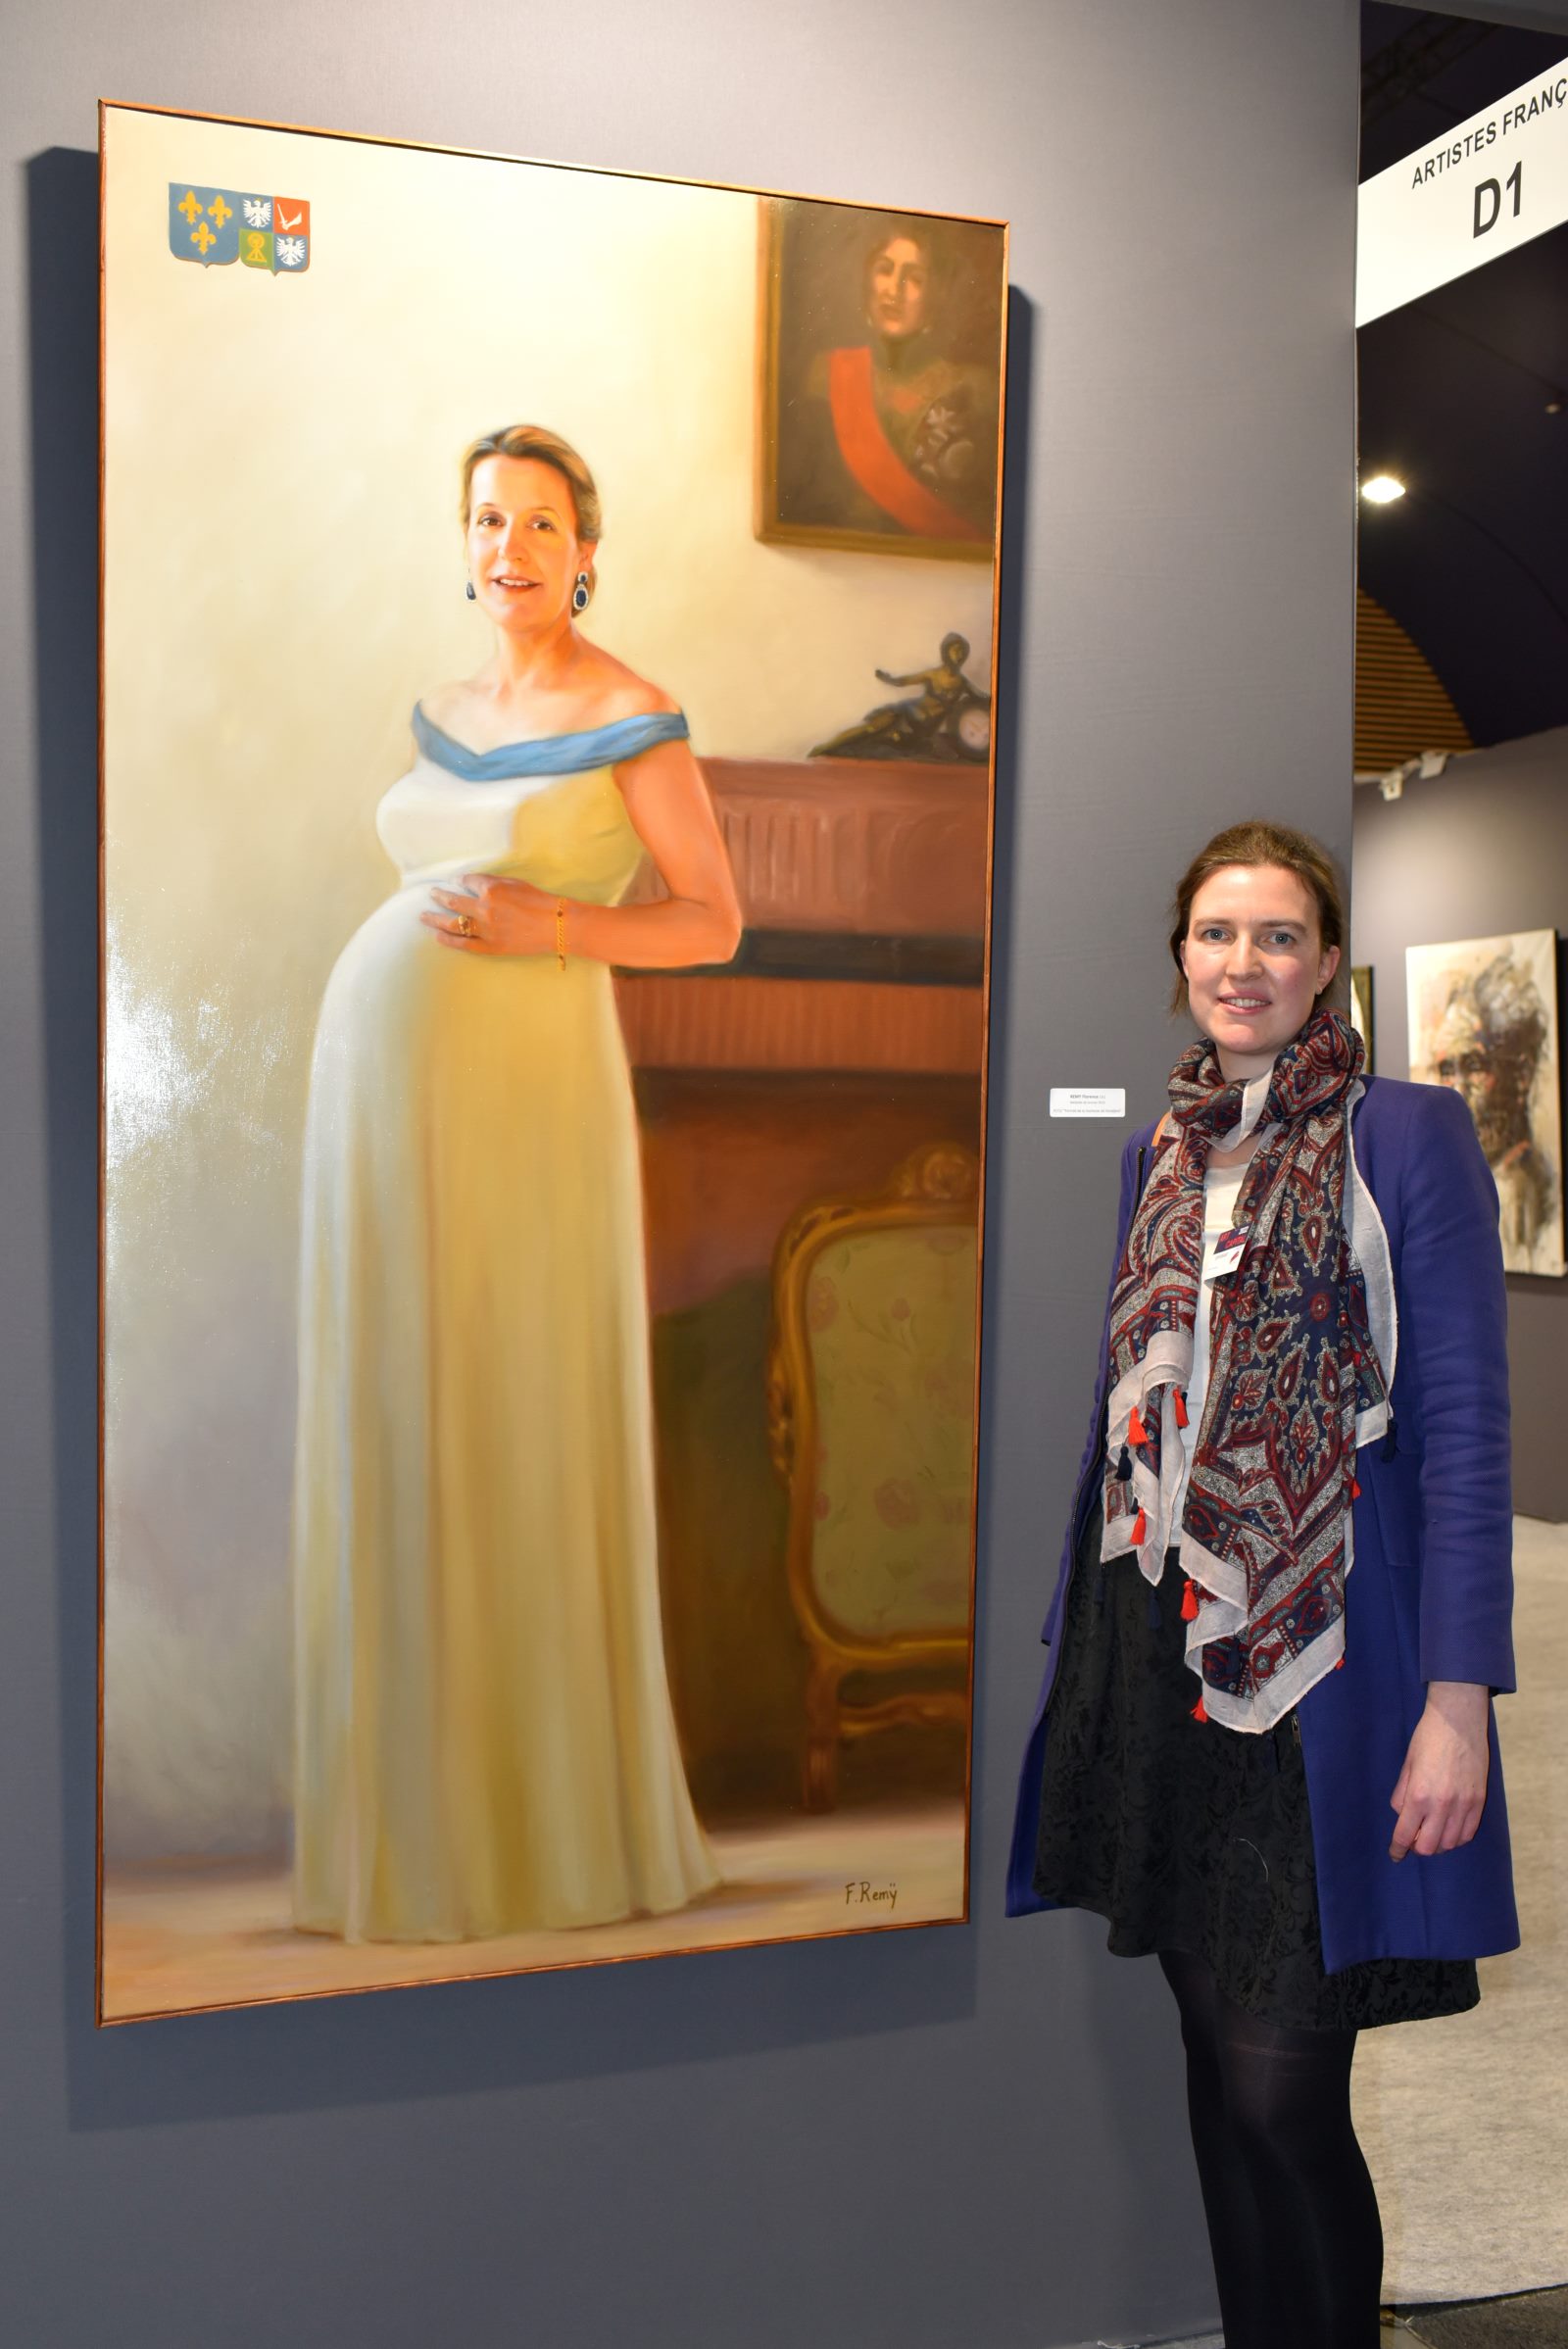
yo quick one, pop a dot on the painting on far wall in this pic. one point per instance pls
(1361, 1010)
(1483, 1018)
(543, 1104)
(879, 391)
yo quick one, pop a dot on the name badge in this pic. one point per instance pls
(1226, 1253)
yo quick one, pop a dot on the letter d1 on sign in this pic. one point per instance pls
(1481, 188)
(1088, 1100)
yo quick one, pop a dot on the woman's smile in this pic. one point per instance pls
(521, 506)
(1256, 963)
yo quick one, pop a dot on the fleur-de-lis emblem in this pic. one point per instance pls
(201, 224)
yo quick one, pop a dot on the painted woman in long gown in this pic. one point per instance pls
(485, 1742)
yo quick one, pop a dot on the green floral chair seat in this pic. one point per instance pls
(872, 1414)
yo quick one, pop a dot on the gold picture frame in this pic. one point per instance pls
(255, 728)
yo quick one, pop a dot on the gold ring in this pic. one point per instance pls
(467, 927)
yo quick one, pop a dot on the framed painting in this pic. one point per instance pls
(1482, 1016)
(879, 380)
(543, 1105)
(1362, 1009)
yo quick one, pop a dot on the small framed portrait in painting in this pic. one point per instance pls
(879, 396)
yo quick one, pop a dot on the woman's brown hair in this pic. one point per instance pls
(545, 447)
(1259, 843)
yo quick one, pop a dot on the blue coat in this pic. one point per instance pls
(1429, 1590)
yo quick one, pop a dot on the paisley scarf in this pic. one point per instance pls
(1299, 1372)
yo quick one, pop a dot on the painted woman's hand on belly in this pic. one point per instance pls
(490, 914)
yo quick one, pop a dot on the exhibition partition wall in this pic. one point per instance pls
(974, 2134)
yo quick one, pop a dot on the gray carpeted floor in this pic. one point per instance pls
(1532, 2320)
(1529, 2320)
(1465, 2121)
(1536, 2320)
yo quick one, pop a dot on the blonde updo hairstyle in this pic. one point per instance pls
(1259, 843)
(545, 447)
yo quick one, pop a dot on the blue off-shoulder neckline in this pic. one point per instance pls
(551, 754)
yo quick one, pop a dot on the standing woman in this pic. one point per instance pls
(1265, 1750)
(484, 1739)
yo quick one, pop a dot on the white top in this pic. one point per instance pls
(1221, 1190)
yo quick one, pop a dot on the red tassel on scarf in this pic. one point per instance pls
(1355, 1489)
(1136, 1433)
(1181, 1407)
(1140, 1529)
(1189, 1603)
(1200, 1711)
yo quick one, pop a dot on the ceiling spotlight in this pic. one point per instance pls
(1382, 489)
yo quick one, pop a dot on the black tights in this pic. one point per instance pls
(1292, 2217)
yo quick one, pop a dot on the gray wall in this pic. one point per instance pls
(955, 2136)
(1480, 850)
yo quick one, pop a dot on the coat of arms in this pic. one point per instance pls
(218, 225)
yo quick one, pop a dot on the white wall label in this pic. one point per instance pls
(1088, 1100)
(1486, 185)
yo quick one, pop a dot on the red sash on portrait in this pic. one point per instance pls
(875, 462)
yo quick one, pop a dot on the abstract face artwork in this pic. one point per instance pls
(1484, 1022)
(543, 1102)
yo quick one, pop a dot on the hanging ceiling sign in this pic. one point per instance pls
(1486, 185)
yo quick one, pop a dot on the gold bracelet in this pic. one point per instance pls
(561, 933)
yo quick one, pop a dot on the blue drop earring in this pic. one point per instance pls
(583, 593)
(468, 592)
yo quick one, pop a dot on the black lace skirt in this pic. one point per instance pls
(1187, 1835)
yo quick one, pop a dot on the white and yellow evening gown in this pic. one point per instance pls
(484, 1739)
